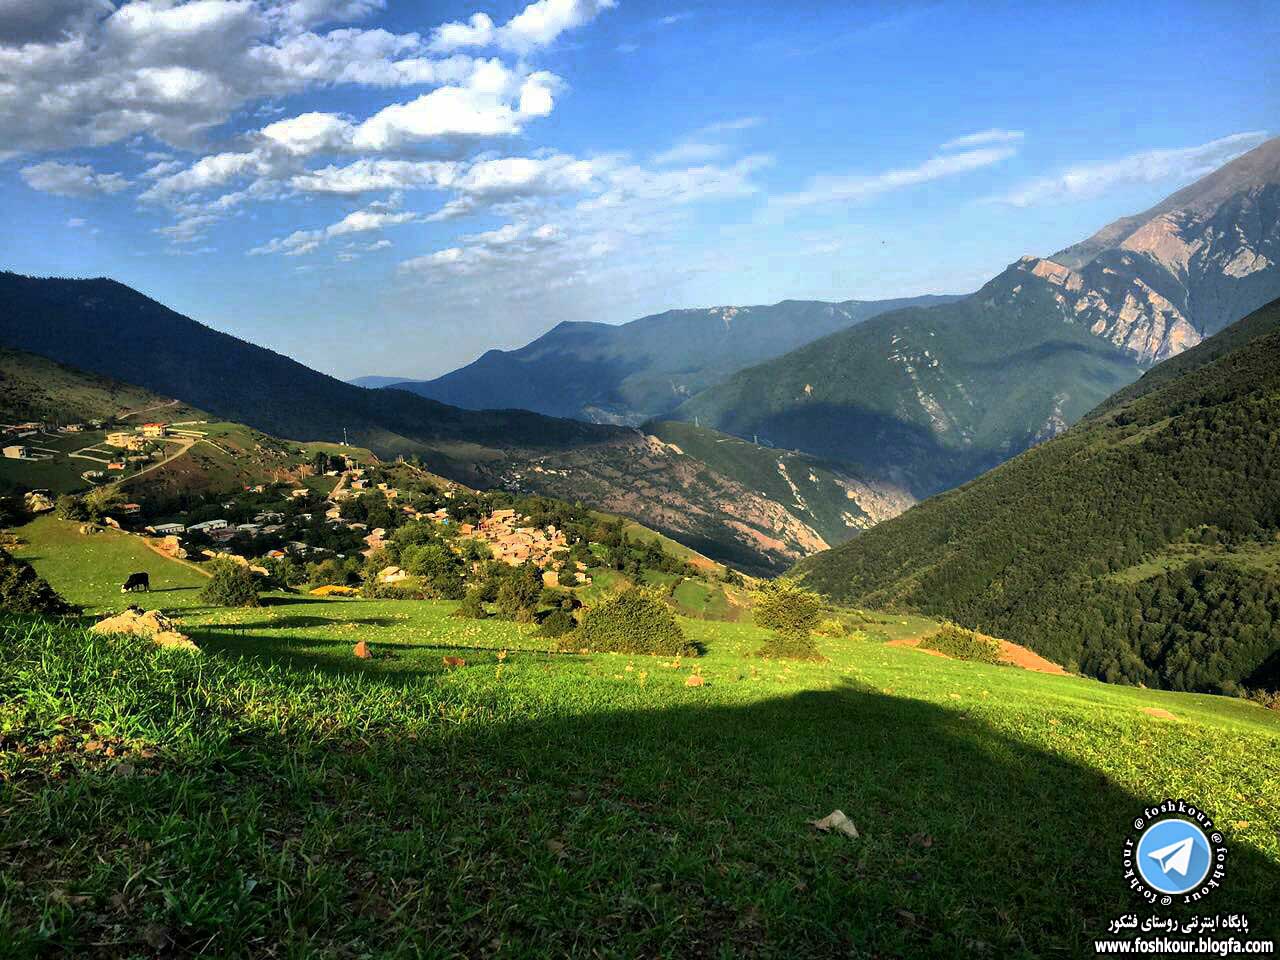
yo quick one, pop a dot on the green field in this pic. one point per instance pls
(276, 797)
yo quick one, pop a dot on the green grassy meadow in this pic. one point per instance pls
(275, 797)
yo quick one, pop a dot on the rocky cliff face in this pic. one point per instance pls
(1159, 282)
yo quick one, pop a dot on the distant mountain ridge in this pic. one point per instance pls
(644, 369)
(931, 397)
(1142, 546)
(105, 328)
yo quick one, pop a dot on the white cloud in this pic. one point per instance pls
(375, 217)
(856, 187)
(71, 179)
(691, 152)
(626, 207)
(101, 72)
(705, 144)
(310, 13)
(374, 175)
(76, 222)
(985, 137)
(1152, 166)
(310, 133)
(537, 25)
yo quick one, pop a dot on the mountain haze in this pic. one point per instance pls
(641, 370)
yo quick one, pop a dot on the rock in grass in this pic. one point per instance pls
(152, 625)
(836, 820)
(361, 651)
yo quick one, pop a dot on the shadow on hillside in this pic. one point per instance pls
(332, 655)
(303, 622)
(682, 831)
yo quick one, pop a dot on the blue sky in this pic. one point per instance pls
(394, 187)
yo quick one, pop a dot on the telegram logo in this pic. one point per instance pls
(1173, 856)
(1176, 851)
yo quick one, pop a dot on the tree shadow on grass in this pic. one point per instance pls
(654, 831)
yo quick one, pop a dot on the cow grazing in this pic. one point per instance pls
(137, 581)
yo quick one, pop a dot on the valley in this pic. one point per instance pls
(596, 480)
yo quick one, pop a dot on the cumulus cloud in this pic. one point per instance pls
(857, 187)
(71, 179)
(1151, 166)
(102, 73)
(310, 13)
(537, 25)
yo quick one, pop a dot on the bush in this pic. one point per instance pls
(231, 585)
(782, 606)
(472, 605)
(557, 623)
(789, 646)
(792, 614)
(832, 627)
(393, 591)
(23, 591)
(962, 644)
(634, 621)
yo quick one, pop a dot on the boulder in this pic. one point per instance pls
(36, 502)
(171, 547)
(392, 575)
(151, 625)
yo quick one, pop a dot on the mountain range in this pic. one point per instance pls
(927, 393)
(104, 328)
(637, 371)
(769, 433)
(931, 397)
(1141, 546)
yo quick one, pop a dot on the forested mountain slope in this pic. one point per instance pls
(1014, 363)
(631, 372)
(1142, 546)
(929, 397)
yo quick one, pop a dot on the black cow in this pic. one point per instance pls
(137, 581)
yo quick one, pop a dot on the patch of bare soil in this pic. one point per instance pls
(1010, 653)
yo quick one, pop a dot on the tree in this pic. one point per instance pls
(23, 591)
(792, 613)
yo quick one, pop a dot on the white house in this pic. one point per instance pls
(168, 529)
(208, 526)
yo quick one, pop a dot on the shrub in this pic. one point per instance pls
(23, 591)
(230, 586)
(472, 605)
(962, 644)
(791, 613)
(634, 621)
(557, 623)
(782, 606)
(393, 591)
(832, 627)
(789, 646)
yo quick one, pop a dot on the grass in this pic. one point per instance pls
(276, 797)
